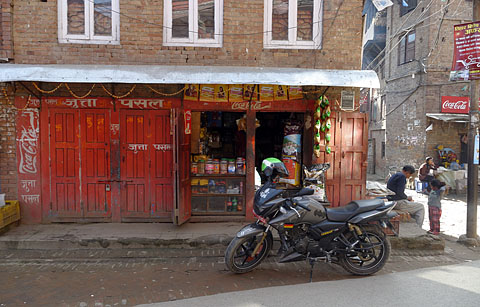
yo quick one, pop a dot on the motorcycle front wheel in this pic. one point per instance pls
(239, 258)
(369, 255)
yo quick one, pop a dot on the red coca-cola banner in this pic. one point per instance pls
(466, 53)
(455, 104)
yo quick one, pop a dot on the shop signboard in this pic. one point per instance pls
(455, 104)
(466, 53)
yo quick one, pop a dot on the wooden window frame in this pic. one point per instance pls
(89, 37)
(406, 48)
(412, 4)
(192, 40)
(292, 42)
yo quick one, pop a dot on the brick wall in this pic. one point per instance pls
(36, 39)
(5, 29)
(8, 165)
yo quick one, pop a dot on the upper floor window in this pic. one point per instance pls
(89, 21)
(294, 24)
(407, 6)
(406, 48)
(193, 23)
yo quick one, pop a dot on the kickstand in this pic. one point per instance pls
(312, 263)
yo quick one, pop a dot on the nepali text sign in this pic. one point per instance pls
(455, 104)
(466, 53)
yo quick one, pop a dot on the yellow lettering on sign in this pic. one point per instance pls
(140, 120)
(89, 122)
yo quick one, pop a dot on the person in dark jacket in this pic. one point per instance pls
(405, 203)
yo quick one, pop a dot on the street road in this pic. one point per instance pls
(137, 280)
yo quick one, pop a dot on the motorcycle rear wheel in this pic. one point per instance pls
(372, 253)
(239, 258)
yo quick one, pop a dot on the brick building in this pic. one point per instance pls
(407, 122)
(70, 65)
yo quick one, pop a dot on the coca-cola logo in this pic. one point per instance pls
(457, 105)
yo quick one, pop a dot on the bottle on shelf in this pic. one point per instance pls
(234, 204)
(239, 205)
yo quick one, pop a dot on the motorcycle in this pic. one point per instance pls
(350, 236)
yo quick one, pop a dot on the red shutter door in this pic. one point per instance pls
(353, 156)
(65, 198)
(162, 164)
(95, 162)
(134, 164)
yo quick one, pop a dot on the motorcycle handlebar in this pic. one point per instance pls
(302, 206)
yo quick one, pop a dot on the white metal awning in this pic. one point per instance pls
(158, 74)
(449, 117)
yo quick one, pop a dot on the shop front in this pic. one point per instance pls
(193, 156)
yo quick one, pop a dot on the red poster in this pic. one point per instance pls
(454, 104)
(188, 121)
(466, 53)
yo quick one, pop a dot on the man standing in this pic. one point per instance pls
(397, 183)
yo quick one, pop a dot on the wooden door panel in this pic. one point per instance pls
(64, 156)
(134, 163)
(95, 162)
(162, 164)
(353, 156)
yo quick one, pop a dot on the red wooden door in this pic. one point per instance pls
(146, 164)
(95, 162)
(134, 168)
(183, 205)
(65, 200)
(353, 156)
(161, 183)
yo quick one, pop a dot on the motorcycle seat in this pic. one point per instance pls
(343, 214)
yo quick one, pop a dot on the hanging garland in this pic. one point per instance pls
(165, 94)
(322, 125)
(46, 91)
(75, 95)
(121, 96)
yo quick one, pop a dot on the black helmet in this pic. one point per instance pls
(273, 166)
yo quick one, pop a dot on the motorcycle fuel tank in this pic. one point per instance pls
(316, 215)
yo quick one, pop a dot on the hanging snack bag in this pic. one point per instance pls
(291, 151)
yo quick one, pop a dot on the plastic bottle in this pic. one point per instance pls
(234, 204)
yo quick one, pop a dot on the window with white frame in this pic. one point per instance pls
(193, 23)
(293, 24)
(89, 21)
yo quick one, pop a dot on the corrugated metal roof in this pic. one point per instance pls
(449, 117)
(158, 74)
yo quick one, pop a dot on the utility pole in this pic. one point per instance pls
(472, 184)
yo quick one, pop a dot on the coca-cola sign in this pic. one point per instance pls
(454, 104)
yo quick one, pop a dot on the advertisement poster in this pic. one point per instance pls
(191, 92)
(466, 52)
(280, 92)
(221, 93)
(206, 92)
(236, 93)
(266, 92)
(295, 92)
(249, 90)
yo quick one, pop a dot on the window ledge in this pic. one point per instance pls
(88, 42)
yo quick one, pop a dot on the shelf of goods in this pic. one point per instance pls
(218, 194)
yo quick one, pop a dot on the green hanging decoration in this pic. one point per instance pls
(328, 150)
(328, 137)
(317, 137)
(328, 124)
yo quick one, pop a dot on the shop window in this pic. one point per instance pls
(193, 23)
(407, 6)
(294, 24)
(406, 48)
(89, 21)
